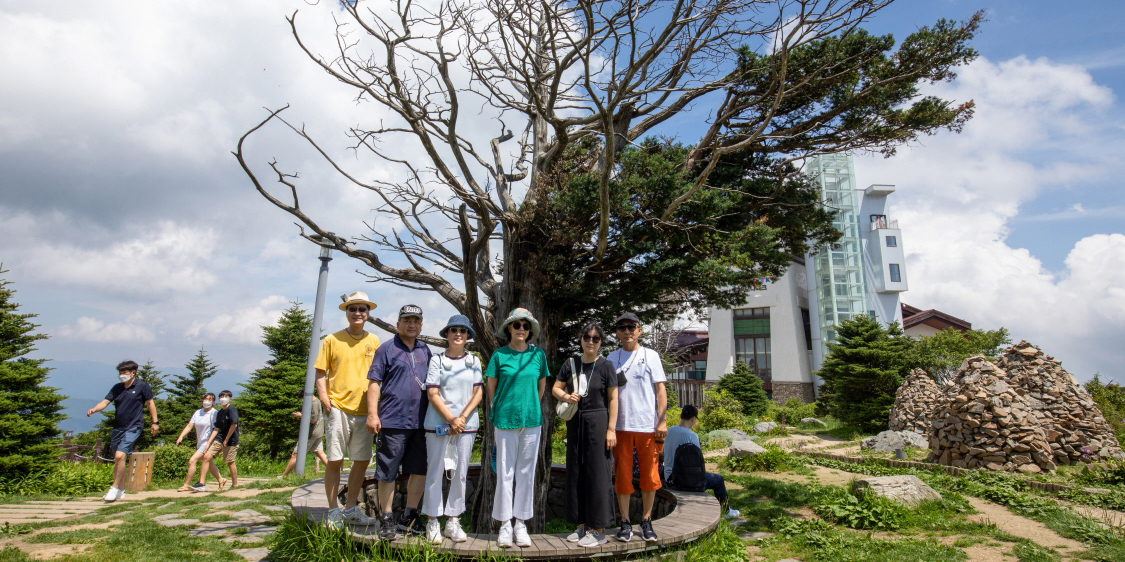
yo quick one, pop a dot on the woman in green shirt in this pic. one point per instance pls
(516, 379)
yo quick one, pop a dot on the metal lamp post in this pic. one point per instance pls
(314, 345)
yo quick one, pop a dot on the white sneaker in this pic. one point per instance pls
(505, 538)
(732, 513)
(454, 531)
(577, 534)
(520, 530)
(335, 518)
(592, 539)
(121, 494)
(356, 516)
(111, 495)
(433, 531)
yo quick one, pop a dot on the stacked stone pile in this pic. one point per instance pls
(987, 423)
(914, 401)
(1068, 414)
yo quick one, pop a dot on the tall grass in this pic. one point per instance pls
(60, 479)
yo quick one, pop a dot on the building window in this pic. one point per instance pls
(892, 242)
(807, 324)
(699, 371)
(752, 340)
(896, 275)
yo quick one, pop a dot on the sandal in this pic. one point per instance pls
(222, 484)
(184, 489)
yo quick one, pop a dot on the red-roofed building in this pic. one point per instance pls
(917, 322)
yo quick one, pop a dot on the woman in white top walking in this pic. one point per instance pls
(454, 388)
(203, 420)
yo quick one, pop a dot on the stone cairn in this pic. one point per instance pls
(914, 401)
(987, 423)
(1070, 418)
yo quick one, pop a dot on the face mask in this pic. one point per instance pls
(124, 378)
(208, 403)
(450, 459)
(224, 401)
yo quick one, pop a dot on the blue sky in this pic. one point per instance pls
(127, 226)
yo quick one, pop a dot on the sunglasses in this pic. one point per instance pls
(589, 338)
(521, 325)
(458, 330)
(625, 327)
(354, 309)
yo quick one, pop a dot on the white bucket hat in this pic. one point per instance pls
(357, 298)
(518, 314)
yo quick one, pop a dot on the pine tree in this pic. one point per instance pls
(187, 390)
(743, 385)
(270, 397)
(864, 368)
(29, 410)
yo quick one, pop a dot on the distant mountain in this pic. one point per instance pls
(86, 383)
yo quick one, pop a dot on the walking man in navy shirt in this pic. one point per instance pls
(128, 420)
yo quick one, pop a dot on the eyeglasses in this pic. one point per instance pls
(625, 327)
(458, 330)
(521, 325)
(354, 309)
(589, 338)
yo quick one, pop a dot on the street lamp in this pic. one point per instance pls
(314, 345)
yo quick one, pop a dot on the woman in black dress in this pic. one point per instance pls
(590, 437)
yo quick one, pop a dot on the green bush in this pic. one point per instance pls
(1110, 399)
(773, 460)
(792, 412)
(745, 387)
(61, 479)
(170, 462)
(720, 411)
(866, 511)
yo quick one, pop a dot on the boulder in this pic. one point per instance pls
(886, 442)
(813, 421)
(728, 436)
(916, 440)
(906, 489)
(745, 448)
(762, 427)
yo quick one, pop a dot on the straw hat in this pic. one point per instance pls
(357, 298)
(518, 314)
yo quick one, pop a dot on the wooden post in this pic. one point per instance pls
(138, 471)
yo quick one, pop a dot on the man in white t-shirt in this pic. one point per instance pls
(641, 423)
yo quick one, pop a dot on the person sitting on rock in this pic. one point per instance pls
(682, 447)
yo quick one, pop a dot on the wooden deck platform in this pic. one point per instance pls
(694, 515)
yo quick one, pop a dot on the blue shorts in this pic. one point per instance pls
(122, 440)
(400, 449)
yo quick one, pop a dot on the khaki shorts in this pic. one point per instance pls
(229, 454)
(348, 433)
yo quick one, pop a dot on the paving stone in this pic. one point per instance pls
(166, 506)
(220, 505)
(244, 538)
(247, 514)
(179, 522)
(261, 530)
(166, 517)
(277, 507)
(207, 532)
(252, 554)
(755, 536)
(222, 525)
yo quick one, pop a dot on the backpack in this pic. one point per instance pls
(687, 469)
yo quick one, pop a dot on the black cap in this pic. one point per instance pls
(628, 316)
(689, 412)
(409, 310)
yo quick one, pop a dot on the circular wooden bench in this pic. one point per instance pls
(691, 515)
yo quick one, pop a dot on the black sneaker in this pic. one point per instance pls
(410, 522)
(646, 530)
(198, 487)
(387, 527)
(626, 532)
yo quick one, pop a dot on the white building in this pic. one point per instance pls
(782, 331)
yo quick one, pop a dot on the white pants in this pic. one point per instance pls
(435, 474)
(517, 450)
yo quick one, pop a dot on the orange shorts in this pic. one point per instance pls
(645, 444)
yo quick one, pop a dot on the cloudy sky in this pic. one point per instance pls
(126, 224)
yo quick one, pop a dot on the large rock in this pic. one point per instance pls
(762, 427)
(905, 489)
(1075, 427)
(886, 442)
(729, 436)
(915, 400)
(984, 422)
(813, 421)
(916, 440)
(745, 448)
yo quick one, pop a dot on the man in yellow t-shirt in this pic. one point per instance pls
(341, 383)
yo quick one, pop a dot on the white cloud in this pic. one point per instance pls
(133, 329)
(241, 326)
(1039, 126)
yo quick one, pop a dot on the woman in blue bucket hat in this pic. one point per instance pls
(516, 379)
(453, 387)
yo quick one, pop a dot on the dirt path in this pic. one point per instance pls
(1021, 526)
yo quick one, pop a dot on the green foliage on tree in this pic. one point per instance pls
(720, 411)
(187, 391)
(1110, 398)
(942, 353)
(30, 411)
(743, 385)
(864, 368)
(267, 404)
